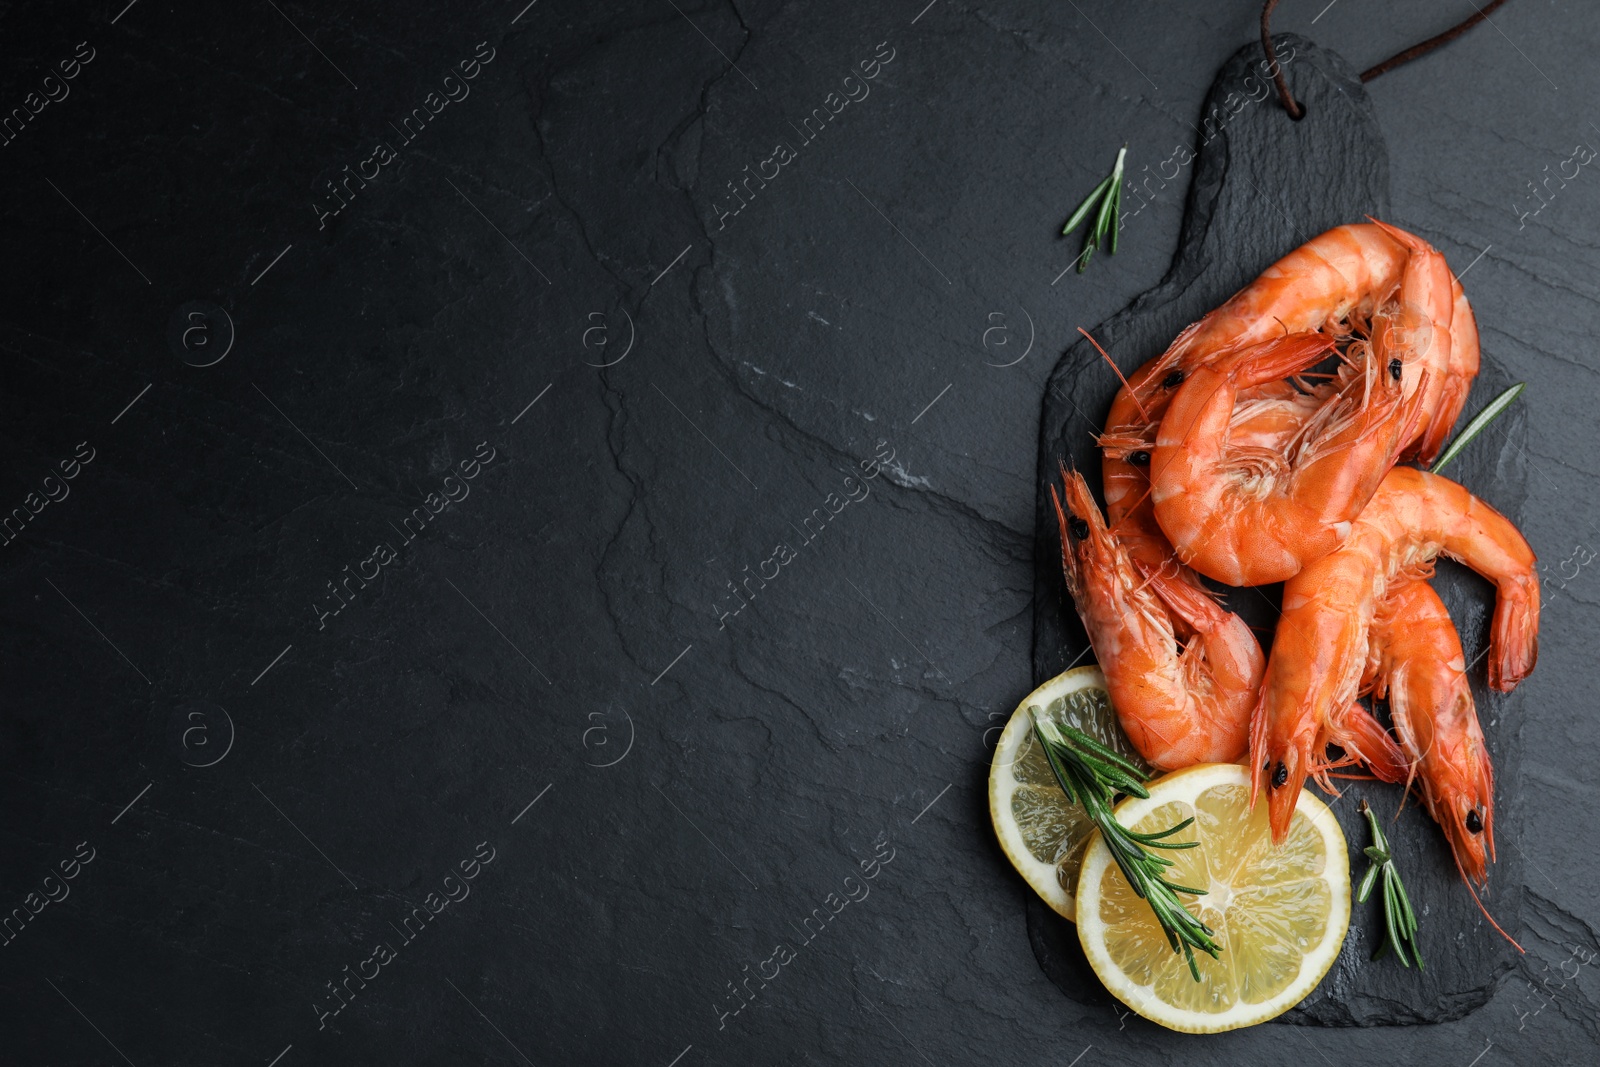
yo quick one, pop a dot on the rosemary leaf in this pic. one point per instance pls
(1479, 423)
(1370, 880)
(1104, 204)
(1152, 838)
(1104, 214)
(1091, 775)
(1399, 918)
(1116, 214)
(1390, 908)
(1083, 209)
(1108, 756)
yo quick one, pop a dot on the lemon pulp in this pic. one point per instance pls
(1279, 914)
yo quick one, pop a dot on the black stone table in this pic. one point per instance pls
(521, 516)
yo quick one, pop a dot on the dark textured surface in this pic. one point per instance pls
(565, 632)
(1262, 185)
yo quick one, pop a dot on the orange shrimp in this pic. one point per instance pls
(1125, 467)
(1272, 413)
(1321, 644)
(1250, 515)
(1177, 707)
(1342, 275)
(1422, 314)
(1338, 282)
(1415, 659)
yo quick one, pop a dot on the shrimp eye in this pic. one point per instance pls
(1173, 380)
(1280, 774)
(1079, 528)
(1140, 458)
(1395, 367)
(1474, 821)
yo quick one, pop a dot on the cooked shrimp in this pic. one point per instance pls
(1422, 315)
(1271, 414)
(1178, 707)
(1343, 274)
(1351, 279)
(1276, 414)
(1250, 515)
(1416, 660)
(1321, 643)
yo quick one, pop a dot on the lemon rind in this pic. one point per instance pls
(1002, 785)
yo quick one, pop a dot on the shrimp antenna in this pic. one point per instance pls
(1119, 374)
(1483, 909)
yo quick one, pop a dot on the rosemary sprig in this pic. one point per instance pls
(1108, 195)
(1399, 920)
(1091, 775)
(1479, 422)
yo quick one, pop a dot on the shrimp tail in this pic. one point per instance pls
(1447, 409)
(1514, 634)
(1411, 241)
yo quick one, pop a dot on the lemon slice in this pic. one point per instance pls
(1279, 914)
(1041, 832)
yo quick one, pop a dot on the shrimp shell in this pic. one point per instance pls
(1178, 707)
(1416, 661)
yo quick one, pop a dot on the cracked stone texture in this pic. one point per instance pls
(698, 787)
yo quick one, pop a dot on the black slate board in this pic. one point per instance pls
(1263, 184)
